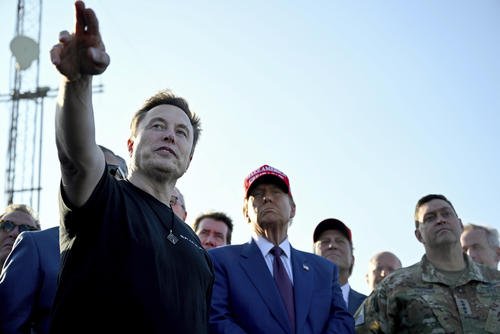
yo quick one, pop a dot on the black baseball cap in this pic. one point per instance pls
(332, 224)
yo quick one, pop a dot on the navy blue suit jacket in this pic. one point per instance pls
(354, 300)
(245, 298)
(28, 282)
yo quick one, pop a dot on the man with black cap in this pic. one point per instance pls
(265, 285)
(333, 241)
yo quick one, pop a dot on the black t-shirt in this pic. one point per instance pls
(120, 273)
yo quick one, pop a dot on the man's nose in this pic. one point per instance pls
(441, 219)
(267, 198)
(210, 240)
(169, 135)
(333, 245)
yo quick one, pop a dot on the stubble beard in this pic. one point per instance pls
(445, 241)
(156, 171)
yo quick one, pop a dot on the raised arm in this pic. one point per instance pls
(78, 56)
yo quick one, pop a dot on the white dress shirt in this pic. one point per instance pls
(265, 246)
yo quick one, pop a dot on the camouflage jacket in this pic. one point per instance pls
(420, 299)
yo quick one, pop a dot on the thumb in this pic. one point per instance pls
(99, 57)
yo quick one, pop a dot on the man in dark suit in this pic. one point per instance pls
(333, 241)
(265, 285)
(28, 282)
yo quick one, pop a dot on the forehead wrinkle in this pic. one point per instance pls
(17, 215)
(164, 120)
(427, 207)
(439, 210)
(166, 109)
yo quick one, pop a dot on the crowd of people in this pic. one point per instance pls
(124, 260)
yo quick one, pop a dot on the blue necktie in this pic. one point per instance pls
(284, 284)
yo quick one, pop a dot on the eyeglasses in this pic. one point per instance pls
(324, 244)
(116, 171)
(8, 226)
(328, 243)
(174, 200)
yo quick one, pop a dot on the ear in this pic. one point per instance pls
(498, 254)
(418, 235)
(461, 225)
(245, 210)
(130, 146)
(292, 211)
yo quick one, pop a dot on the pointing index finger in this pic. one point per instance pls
(80, 17)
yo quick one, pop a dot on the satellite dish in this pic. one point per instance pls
(25, 50)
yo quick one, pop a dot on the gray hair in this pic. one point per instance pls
(22, 208)
(491, 233)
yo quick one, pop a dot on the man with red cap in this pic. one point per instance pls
(333, 241)
(267, 286)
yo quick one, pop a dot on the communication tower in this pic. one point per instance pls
(23, 172)
(24, 146)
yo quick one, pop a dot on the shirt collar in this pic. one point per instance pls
(265, 245)
(472, 272)
(345, 292)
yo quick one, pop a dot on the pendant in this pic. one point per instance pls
(172, 238)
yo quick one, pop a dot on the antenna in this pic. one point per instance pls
(24, 151)
(23, 173)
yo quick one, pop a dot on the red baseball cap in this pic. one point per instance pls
(267, 174)
(332, 224)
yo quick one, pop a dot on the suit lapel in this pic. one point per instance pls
(351, 300)
(256, 269)
(355, 299)
(302, 286)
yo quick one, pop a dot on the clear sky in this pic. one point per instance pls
(366, 105)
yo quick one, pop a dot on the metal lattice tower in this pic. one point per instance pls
(24, 151)
(23, 180)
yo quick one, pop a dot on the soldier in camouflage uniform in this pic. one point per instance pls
(446, 292)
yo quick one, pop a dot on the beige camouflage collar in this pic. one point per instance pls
(472, 272)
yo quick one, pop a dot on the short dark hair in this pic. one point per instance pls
(427, 199)
(216, 216)
(167, 97)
